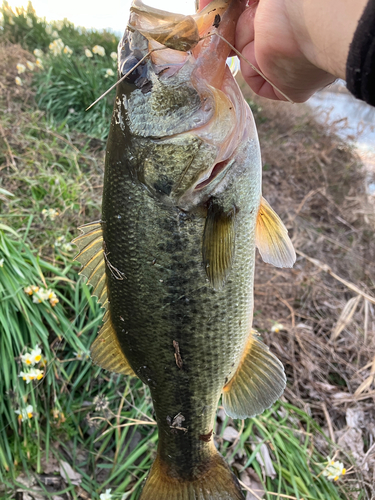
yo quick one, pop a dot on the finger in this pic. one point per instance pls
(255, 81)
(203, 3)
(245, 26)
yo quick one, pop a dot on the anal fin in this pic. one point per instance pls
(259, 381)
(106, 350)
(271, 238)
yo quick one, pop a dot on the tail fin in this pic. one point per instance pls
(219, 483)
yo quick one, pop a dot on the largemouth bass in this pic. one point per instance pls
(172, 259)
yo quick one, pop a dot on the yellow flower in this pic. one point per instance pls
(21, 68)
(88, 53)
(114, 56)
(98, 49)
(39, 63)
(32, 374)
(25, 413)
(38, 53)
(30, 65)
(68, 51)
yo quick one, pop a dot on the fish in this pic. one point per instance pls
(172, 258)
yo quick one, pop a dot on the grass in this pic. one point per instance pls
(100, 423)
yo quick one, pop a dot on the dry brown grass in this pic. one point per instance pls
(326, 302)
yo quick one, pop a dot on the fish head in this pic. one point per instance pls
(179, 101)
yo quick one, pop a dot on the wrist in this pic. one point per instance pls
(324, 30)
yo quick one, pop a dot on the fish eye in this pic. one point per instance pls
(127, 66)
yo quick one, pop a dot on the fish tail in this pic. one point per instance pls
(218, 483)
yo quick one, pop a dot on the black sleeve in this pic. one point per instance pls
(360, 66)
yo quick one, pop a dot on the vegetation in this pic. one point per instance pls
(72, 430)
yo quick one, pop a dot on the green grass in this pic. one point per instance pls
(100, 423)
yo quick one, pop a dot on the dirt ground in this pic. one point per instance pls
(323, 308)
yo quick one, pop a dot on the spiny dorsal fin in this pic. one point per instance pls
(258, 382)
(106, 351)
(271, 237)
(218, 244)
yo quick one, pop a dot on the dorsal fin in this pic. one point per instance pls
(271, 238)
(105, 350)
(218, 244)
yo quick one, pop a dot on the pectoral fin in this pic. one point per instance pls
(105, 350)
(258, 382)
(271, 237)
(218, 244)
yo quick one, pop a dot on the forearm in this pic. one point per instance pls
(325, 29)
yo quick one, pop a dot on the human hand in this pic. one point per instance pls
(299, 45)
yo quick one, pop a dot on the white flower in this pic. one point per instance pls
(39, 63)
(48, 29)
(50, 213)
(21, 68)
(40, 296)
(54, 34)
(1, 262)
(68, 51)
(32, 374)
(59, 241)
(108, 72)
(38, 53)
(33, 357)
(59, 25)
(67, 247)
(88, 53)
(25, 413)
(81, 355)
(29, 22)
(106, 496)
(334, 470)
(31, 289)
(114, 56)
(277, 327)
(98, 49)
(56, 47)
(18, 81)
(30, 65)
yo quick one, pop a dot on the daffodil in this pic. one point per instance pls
(29, 22)
(54, 34)
(68, 51)
(32, 374)
(334, 470)
(277, 327)
(67, 247)
(18, 81)
(108, 72)
(88, 53)
(31, 289)
(50, 213)
(25, 413)
(98, 49)
(30, 65)
(38, 53)
(114, 56)
(39, 63)
(1, 262)
(59, 241)
(21, 68)
(56, 47)
(53, 300)
(33, 357)
(106, 496)
(48, 29)
(59, 25)
(81, 355)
